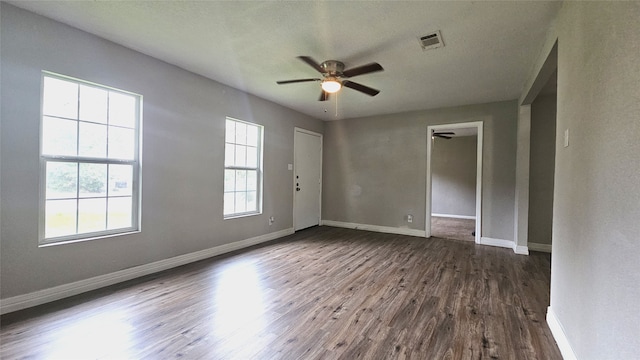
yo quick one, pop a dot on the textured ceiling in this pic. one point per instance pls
(489, 48)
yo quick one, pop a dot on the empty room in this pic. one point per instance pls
(319, 180)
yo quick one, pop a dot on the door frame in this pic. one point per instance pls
(293, 176)
(430, 129)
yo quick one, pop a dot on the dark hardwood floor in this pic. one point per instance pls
(322, 293)
(452, 228)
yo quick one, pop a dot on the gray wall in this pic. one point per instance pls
(541, 169)
(183, 147)
(374, 168)
(595, 276)
(453, 176)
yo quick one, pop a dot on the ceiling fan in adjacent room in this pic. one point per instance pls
(444, 135)
(334, 77)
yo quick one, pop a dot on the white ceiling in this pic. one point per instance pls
(489, 48)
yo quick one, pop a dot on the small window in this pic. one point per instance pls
(242, 169)
(90, 165)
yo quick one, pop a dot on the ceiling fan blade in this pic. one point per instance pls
(442, 136)
(295, 81)
(444, 133)
(361, 70)
(314, 64)
(359, 87)
(324, 96)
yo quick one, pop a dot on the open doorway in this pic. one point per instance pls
(454, 181)
(542, 167)
(538, 142)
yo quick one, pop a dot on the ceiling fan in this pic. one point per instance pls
(444, 135)
(334, 77)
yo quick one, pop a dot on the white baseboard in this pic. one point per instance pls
(509, 244)
(522, 250)
(62, 291)
(376, 228)
(559, 335)
(539, 247)
(497, 242)
(471, 217)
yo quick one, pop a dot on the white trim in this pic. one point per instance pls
(376, 228)
(497, 242)
(509, 244)
(470, 217)
(321, 136)
(62, 291)
(540, 247)
(560, 335)
(479, 146)
(520, 249)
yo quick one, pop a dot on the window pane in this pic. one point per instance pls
(93, 104)
(121, 143)
(93, 140)
(60, 218)
(119, 213)
(229, 203)
(229, 154)
(62, 180)
(93, 180)
(230, 134)
(122, 109)
(242, 149)
(60, 98)
(92, 215)
(241, 155)
(59, 137)
(89, 145)
(241, 202)
(120, 180)
(252, 204)
(241, 180)
(252, 135)
(252, 180)
(241, 133)
(229, 180)
(252, 157)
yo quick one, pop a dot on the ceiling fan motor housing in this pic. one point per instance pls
(333, 67)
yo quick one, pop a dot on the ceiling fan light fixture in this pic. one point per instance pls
(331, 85)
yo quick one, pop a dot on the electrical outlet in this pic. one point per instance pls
(271, 220)
(409, 218)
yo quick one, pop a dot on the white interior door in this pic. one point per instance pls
(307, 178)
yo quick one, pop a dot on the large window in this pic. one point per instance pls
(242, 169)
(89, 160)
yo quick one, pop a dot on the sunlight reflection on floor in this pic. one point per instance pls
(240, 309)
(108, 332)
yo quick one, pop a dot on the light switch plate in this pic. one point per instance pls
(290, 166)
(566, 138)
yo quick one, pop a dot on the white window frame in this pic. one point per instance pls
(136, 170)
(258, 169)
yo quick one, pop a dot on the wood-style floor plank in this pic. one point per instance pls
(322, 293)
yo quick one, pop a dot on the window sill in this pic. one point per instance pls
(243, 215)
(44, 244)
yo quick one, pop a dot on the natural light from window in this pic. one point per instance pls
(90, 159)
(243, 168)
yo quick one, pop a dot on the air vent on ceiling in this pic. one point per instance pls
(431, 41)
